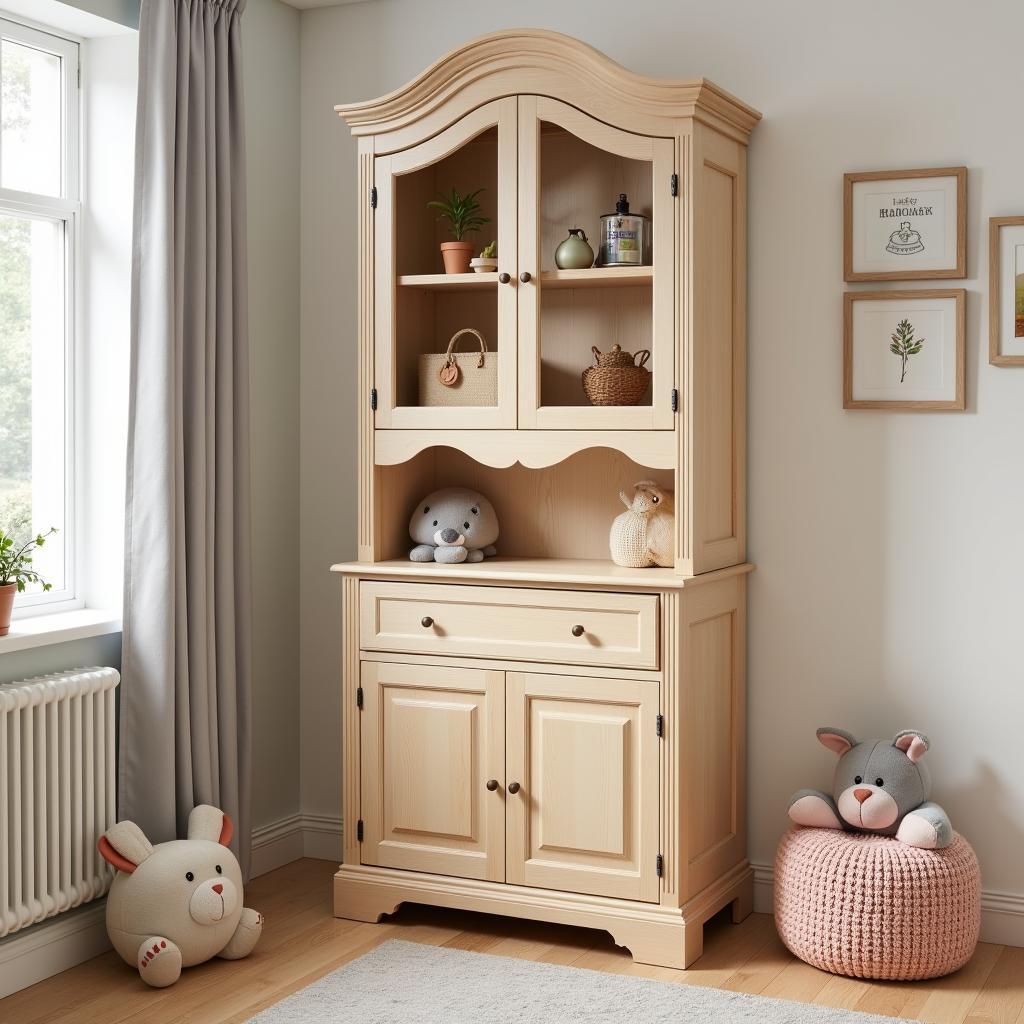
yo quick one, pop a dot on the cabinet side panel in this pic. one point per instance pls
(365, 346)
(350, 717)
(716, 413)
(714, 731)
(671, 821)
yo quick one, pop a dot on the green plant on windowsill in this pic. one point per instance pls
(464, 215)
(16, 571)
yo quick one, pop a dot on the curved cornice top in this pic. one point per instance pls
(534, 52)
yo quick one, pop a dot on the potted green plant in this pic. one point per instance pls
(463, 216)
(16, 571)
(487, 261)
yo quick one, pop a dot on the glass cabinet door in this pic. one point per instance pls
(577, 173)
(418, 307)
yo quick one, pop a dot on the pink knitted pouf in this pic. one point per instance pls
(872, 907)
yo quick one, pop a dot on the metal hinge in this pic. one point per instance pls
(359, 833)
(373, 197)
(675, 184)
(659, 862)
(359, 697)
(675, 400)
(659, 725)
(373, 399)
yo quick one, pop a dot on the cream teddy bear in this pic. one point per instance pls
(177, 904)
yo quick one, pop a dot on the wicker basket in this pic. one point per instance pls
(617, 379)
(445, 381)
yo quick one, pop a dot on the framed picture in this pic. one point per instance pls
(905, 225)
(1006, 291)
(904, 350)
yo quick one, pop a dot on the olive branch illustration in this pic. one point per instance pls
(905, 345)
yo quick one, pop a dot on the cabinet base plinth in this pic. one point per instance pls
(659, 935)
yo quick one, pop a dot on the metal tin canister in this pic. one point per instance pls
(624, 236)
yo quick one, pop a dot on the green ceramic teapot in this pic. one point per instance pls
(575, 252)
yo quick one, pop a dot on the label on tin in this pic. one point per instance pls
(622, 244)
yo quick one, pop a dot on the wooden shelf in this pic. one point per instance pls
(577, 571)
(449, 282)
(597, 277)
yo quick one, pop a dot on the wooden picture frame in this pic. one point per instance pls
(999, 309)
(888, 237)
(862, 368)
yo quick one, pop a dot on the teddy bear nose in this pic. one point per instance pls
(218, 888)
(861, 795)
(449, 536)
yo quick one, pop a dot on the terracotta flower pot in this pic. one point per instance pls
(7, 592)
(456, 256)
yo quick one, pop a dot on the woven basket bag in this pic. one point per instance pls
(476, 375)
(869, 906)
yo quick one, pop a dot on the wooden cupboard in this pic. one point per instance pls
(545, 734)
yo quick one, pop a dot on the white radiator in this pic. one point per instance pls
(56, 793)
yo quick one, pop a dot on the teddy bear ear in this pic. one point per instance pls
(839, 741)
(124, 846)
(210, 823)
(913, 743)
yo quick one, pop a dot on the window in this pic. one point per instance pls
(39, 216)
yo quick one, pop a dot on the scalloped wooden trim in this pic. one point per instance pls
(532, 54)
(535, 449)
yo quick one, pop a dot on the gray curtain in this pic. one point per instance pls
(185, 695)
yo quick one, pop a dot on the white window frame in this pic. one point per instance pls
(67, 209)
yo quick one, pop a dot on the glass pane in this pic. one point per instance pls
(30, 146)
(32, 387)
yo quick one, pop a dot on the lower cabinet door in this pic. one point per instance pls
(585, 755)
(431, 739)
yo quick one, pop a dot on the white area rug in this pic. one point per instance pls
(409, 983)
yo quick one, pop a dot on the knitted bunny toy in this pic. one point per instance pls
(179, 903)
(880, 787)
(642, 536)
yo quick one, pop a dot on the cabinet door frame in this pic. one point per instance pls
(503, 115)
(482, 859)
(559, 870)
(661, 154)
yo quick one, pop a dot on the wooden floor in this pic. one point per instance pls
(302, 941)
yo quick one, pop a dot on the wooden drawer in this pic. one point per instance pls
(619, 630)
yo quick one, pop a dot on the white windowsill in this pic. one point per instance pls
(58, 628)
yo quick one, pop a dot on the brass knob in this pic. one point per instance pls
(492, 784)
(426, 622)
(578, 631)
(525, 277)
(513, 787)
(504, 278)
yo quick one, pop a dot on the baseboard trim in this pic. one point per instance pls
(53, 946)
(298, 835)
(1002, 913)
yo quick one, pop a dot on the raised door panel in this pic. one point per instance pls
(585, 755)
(572, 168)
(417, 306)
(431, 738)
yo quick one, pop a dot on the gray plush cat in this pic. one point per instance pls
(452, 525)
(879, 786)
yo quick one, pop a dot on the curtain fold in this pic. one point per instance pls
(185, 695)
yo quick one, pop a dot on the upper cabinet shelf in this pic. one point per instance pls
(449, 282)
(598, 277)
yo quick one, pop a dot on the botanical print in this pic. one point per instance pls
(905, 345)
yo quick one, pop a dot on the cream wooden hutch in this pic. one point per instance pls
(545, 734)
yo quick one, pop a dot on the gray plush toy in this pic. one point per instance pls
(879, 787)
(454, 524)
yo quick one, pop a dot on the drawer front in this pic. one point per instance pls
(619, 630)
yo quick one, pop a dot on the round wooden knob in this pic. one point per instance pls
(492, 784)
(525, 277)
(504, 278)
(578, 631)
(426, 622)
(513, 787)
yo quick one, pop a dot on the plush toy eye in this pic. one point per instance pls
(220, 870)
(879, 782)
(857, 779)
(435, 522)
(655, 500)
(189, 877)
(465, 526)
(475, 511)
(426, 509)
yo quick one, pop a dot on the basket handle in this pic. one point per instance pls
(450, 357)
(646, 355)
(597, 354)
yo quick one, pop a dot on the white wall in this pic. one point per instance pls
(890, 554)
